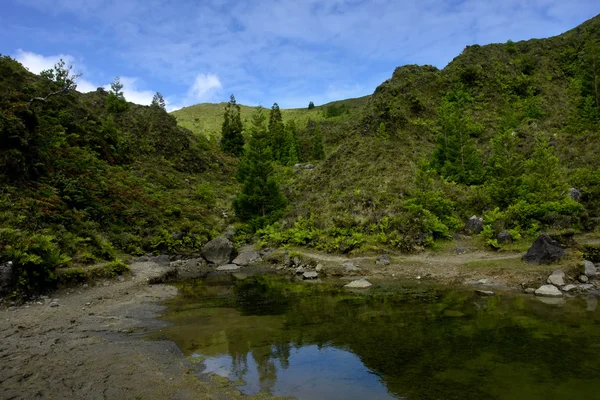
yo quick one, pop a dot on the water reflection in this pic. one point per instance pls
(318, 341)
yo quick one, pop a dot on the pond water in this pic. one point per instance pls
(320, 341)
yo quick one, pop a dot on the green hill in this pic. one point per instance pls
(206, 119)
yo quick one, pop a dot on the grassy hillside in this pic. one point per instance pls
(81, 183)
(206, 119)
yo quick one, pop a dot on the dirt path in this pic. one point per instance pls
(89, 347)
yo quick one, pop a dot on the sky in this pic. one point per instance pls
(264, 51)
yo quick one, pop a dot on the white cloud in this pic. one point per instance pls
(85, 86)
(204, 87)
(37, 63)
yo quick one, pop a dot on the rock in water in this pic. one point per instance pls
(544, 251)
(383, 259)
(218, 251)
(247, 256)
(548, 291)
(557, 278)
(569, 288)
(310, 275)
(228, 267)
(474, 225)
(359, 284)
(589, 269)
(485, 293)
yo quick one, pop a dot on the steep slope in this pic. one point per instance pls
(81, 183)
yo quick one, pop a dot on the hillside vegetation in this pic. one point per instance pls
(85, 178)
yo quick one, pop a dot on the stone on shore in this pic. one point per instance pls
(548, 291)
(359, 284)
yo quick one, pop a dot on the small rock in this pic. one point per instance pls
(569, 288)
(309, 166)
(529, 290)
(589, 269)
(504, 237)
(557, 278)
(418, 277)
(297, 261)
(359, 284)
(485, 293)
(461, 250)
(121, 278)
(300, 270)
(548, 291)
(247, 256)
(574, 194)
(586, 286)
(319, 268)
(350, 267)
(383, 259)
(228, 267)
(54, 304)
(310, 275)
(85, 286)
(482, 282)
(583, 279)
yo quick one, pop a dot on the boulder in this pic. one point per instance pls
(544, 251)
(574, 194)
(383, 259)
(228, 267)
(300, 270)
(504, 237)
(189, 268)
(246, 256)
(319, 268)
(461, 250)
(359, 284)
(589, 269)
(6, 276)
(569, 288)
(548, 291)
(557, 278)
(218, 251)
(310, 275)
(583, 278)
(474, 225)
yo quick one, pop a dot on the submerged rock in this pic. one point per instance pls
(485, 293)
(544, 251)
(557, 278)
(218, 251)
(548, 291)
(529, 290)
(359, 284)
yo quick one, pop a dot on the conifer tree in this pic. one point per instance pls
(260, 198)
(505, 168)
(291, 144)
(318, 153)
(158, 101)
(115, 101)
(543, 179)
(232, 139)
(276, 133)
(455, 156)
(311, 105)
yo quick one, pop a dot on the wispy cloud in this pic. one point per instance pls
(272, 50)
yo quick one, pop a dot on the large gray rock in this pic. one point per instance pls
(544, 251)
(247, 256)
(548, 291)
(557, 278)
(189, 268)
(218, 251)
(589, 269)
(569, 288)
(474, 225)
(504, 237)
(6, 276)
(310, 275)
(359, 284)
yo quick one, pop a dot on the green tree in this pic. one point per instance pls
(505, 168)
(455, 155)
(318, 153)
(382, 132)
(276, 132)
(543, 178)
(158, 101)
(115, 101)
(311, 105)
(232, 139)
(291, 144)
(260, 199)
(64, 78)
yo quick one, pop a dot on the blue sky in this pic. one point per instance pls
(288, 51)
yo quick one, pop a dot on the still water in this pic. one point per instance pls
(319, 341)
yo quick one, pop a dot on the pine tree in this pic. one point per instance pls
(158, 101)
(455, 156)
(318, 153)
(291, 144)
(543, 179)
(276, 133)
(311, 105)
(505, 168)
(232, 139)
(115, 101)
(260, 198)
